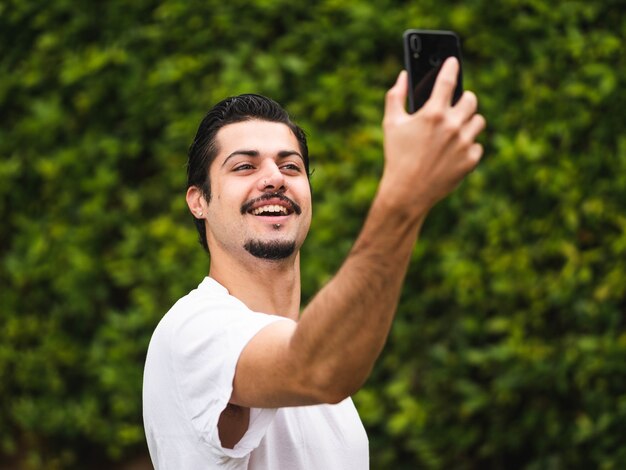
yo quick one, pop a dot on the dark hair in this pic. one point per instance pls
(204, 149)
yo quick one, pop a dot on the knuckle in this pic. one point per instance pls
(465, 140)
(387, 121)
(392, 94)
(474, 154)
(452, 126)
(471, 99)
(448, 81)
(434, 114)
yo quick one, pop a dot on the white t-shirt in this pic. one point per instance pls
(188, 379)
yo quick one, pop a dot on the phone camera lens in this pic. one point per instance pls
(416, 43)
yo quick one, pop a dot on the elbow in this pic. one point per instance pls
(331, 387)
(329, 395)
(337, 396)
(340, 390)
(327, 376)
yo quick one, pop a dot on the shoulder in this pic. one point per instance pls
(209, 302)
(207, 316)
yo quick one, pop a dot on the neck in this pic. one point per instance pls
(264, 286)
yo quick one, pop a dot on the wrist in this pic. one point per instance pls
(406, 201)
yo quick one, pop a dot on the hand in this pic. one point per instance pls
(428, 153)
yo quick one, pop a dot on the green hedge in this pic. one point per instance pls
(509, 350)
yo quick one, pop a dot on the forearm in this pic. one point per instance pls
(329, 353)
(344, 328)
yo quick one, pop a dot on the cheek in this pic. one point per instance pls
(303, 189)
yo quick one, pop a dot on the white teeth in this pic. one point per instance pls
(270, 208)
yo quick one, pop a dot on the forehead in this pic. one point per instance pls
(263, 136)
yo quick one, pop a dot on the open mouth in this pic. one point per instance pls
(271, 210)
(271, 205)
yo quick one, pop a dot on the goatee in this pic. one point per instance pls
(270, 250)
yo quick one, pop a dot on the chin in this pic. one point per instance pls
(272, 250)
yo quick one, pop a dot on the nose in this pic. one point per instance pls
(271, 178)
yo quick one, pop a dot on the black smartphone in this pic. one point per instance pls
(424, 54)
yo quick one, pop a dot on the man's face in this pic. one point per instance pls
(260, 193)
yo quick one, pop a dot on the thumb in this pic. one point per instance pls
(395, 98)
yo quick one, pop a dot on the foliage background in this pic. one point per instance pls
(509, 350)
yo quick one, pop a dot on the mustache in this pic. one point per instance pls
(266, 197)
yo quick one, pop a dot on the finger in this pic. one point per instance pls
(474, 154)
(466, 107)
(445, 83)
(474, 126)
(395, 98)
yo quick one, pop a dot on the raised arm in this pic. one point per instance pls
(330, 352)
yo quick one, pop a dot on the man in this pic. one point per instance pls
(235, 377)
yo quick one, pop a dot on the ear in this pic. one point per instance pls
(196, 202)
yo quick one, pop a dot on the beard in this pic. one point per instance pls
(273, 250)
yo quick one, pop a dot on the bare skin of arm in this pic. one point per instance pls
(328, 354)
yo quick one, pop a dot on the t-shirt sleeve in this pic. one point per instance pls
(208, 344)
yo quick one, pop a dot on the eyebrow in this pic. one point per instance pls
(256, 153)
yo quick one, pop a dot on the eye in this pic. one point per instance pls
(291, 167)
(243, 167)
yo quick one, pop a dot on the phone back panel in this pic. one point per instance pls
(424, 54)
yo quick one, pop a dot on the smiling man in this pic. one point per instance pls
(235, 376)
